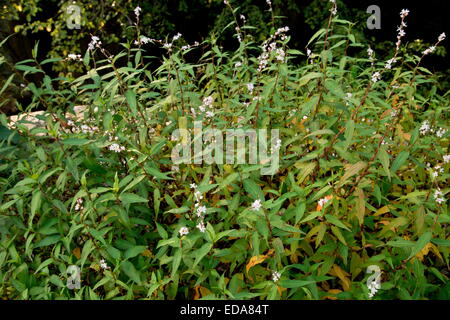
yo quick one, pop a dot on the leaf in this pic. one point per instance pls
(421, 243)
(134, 251)
(176, 261)
(230, 178)
(342, 275)
(351, 170)
(75, 141)
(156, 173)
(258, 259)
(360, 205)
(36, 202)
(130, 95)
(200, 253)
(253, 189)
(306, 78)
(384, 158)
(128, 198)
(399, 161)
(129, 269)
(334, 220)
(291, 284)
(47, 241)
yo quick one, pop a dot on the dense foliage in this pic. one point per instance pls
(362, 180)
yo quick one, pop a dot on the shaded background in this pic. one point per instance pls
(111, 20)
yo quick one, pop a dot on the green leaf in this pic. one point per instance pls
(128, 198)
(384, 158)
(421, 243)
(253, 189)
(130, 95)
(229, 179)
(334, 220)
(200, 253)
(47, 241)
(128, 268)
(36, 202)
(291, 284)
(399, 161)
(134, 251)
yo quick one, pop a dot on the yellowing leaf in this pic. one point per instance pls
(77, 252)
(258, 259)
(382, 210)
(342, 275)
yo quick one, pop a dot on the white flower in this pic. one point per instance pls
(438, 196)
(198, 195)
(209, 114)
(95, 42)
(276, 146)
(79, 204)
(167, 46)
(425, 127)
(116, 147)
(238, 64)
(72, 56)
(446, 158)
(389, 63)
(183, 231)
(250, 87)
(404, 13)
(193, 186)
(137, 11)
(441, 37)
(177, 36)
(429, 50)
(256, 205)
(308, 52)
(376, 76)
(373, 287)
(276, 276)
(200, 211)
(440, 133)
(201, 226)
(103, 264)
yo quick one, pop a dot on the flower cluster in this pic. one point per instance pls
(188, 46)
(401, 30)
(276, 146)
(199, 209)
(438, 196)
(256, 205)
(103, 265)
(333, 9)
(79, 204)
(270, 45)
(432, 48)
(276, 276)
(95, 43)
(137, 12)
(116, 147)
(389, 63)
(446, 158)
(183, 231)
(143, 40)
(425, 127)
(373, 287)
(376, 76)
(72, 56)
(207, 103)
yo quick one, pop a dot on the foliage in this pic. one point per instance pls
(353, 188)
